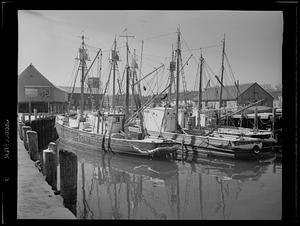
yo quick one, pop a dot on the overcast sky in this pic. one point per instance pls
(50, 41)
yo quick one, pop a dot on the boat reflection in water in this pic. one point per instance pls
(112, 186)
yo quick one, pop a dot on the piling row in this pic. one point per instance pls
(36, 135)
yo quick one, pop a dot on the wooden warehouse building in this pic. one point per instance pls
(37, 92)
(233, 97)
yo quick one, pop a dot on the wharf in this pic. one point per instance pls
(36, 199)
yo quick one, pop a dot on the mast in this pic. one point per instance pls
(133, 101)
(140, 72)
(139, 96)
(127, 77)
(127, 83)
(172, 69)
(222, 73)
(114, 61)
(177, 77)
(82, 62)
(200, 90)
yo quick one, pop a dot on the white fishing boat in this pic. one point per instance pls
(238, 147)
(108, 134)
(163, 122)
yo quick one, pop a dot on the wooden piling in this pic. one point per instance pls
(21, 124)
(23, 118)
(40, 135)
(43, 133)
(51, 129)
(273, 121)
(25, 139)
(33, 145)
(52, 146)
(50, 168)
(68, 179)
(255, 119)
(35, 113)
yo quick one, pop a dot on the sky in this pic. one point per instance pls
(253, 43)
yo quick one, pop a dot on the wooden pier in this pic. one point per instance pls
(37, 191)
(36, 199)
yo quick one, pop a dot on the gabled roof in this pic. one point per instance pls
(31, 77)
(276, 93)
(228, 93)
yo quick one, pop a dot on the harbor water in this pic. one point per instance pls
(113, 186)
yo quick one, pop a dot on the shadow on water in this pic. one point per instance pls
(112, 186)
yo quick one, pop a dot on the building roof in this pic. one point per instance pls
(228, 93)
(33, 86)
(276, 93)
(78, 89)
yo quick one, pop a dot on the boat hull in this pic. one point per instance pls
(217, 146)
(266, 136)
(101, 142)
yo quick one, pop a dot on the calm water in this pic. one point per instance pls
(124, 187)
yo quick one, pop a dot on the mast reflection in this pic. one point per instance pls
(126, 187)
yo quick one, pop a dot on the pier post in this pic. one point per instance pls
(68, 179)
(255, 119)
(52, 146)
(42, 131)
(25, 138)
(21, 124)
(52, 129)
(35, 113)
(40, 134)
(273, 121)
(33, 145)
(50, 168)
(23, 117)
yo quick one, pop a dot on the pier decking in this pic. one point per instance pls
(36, 199)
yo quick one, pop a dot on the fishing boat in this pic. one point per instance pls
(112, 136)
(266, 135)
(163, 122)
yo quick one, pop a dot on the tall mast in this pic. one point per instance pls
(200, 90)
(114, 61)
(133, 101)
(177, 78)
(140, 73)
(82, 62)
(139, 96)
(172, 69)
(127, 78)
(222, 73)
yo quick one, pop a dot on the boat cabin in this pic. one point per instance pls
(114, 122)
(160, 119)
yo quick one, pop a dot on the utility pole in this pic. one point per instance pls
(200, 91)
(222, 73)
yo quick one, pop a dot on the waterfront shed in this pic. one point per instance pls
(35, 91)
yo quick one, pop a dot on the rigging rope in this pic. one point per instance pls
(205, 47)
(159, 36)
